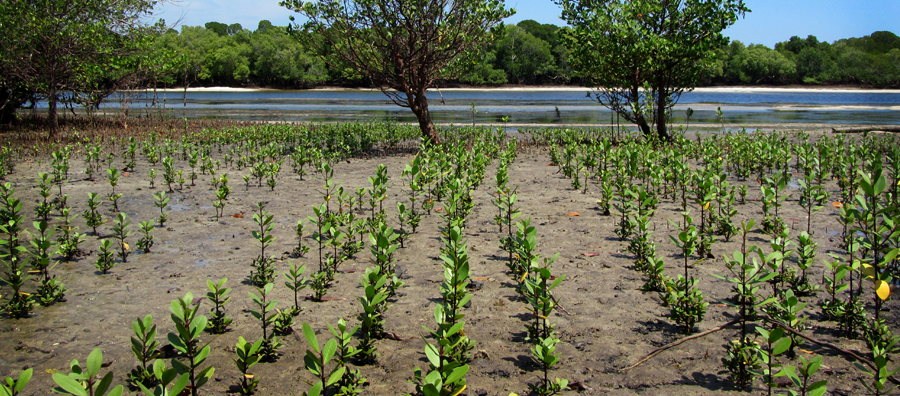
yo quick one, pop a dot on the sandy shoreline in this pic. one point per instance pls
(555, 89)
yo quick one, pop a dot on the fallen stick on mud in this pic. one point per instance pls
(659, 350)
(895, 129)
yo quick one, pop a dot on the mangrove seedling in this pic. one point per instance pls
(320, 283)
(113, 182)
(120, 232)
(774, 344)
(269, 349)
(351, 382)
(296, 282)
(13, 387)
(880, 377)
(143, 346)
(317, 359)
(301, 249)
(146, 241)
(91, 215)
(263, 271)
(165, 377)
(161, 201)
(44, 207)
(445, 375)
(218, 295)
(105, 260)
(51, 289)
(247, 357)
(83, 381)
(802, 380)
(185, 339)
(374, 304)
(282, 322)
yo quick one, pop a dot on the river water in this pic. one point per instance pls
(523, 106)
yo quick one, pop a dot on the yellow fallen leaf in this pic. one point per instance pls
(882, 289)
(126, 245)
(805, 351)
(573, 214)
(460, 391)
(50, 371)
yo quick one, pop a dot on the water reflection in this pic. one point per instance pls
(521, 106)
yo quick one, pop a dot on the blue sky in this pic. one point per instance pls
(770, 22)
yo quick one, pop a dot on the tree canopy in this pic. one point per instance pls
(72, 46)
(642, 54)
(403, 47)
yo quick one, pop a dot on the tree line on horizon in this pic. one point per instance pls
(526, 53)
(637, 60)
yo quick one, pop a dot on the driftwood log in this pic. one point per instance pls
(874, 128)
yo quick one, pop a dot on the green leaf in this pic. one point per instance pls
(180, 384)
(94, 361)
(315, 390)
(103, 385)
(69, 384)
(205, 376)
(117, 391)
(24, 377)
(328, 351)
(457, 374)
(336, 375)
(432, 354)
(781, 346)
(310, 337)
(201, 356)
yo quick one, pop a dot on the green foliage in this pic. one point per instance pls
(160, 200)
(146, 241)
(774, 344)
(317, 360)
(83, 381)
(351, 382)
(296, 282)
(878, 382)
(88, 48)
(371, 319)
(91, 215)
(143, 346)
(677, 40)
(264, 307)
(408, 45)
(105, 261)
(742, 361)
(120, 232)
(218, 295)
(13, 387)
(263, 271)
(247, 357)
(185, 339)
(51, 290)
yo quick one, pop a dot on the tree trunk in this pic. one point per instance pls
(419, 107)
(52, 119)
(8, 106)
(642, 124)
(661, 131)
